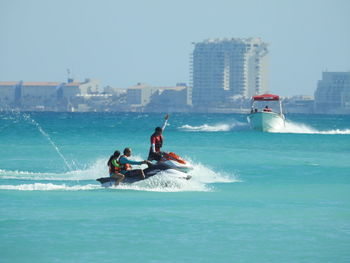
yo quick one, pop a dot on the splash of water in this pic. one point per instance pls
(41, 130)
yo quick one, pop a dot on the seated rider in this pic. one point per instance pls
(157, 142)
(267, 109)
(126, 163)
(115, 168)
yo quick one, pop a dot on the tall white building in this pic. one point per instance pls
(224, 68)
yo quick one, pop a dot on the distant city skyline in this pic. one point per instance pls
(122, 43)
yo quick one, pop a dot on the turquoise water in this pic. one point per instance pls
(253, 197)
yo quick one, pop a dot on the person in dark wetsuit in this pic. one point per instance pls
(115, 168)
(157, 142)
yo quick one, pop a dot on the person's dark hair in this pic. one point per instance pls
(158, 129)
(127, 149)
(115, 155)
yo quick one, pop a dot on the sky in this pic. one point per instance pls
(122, 43)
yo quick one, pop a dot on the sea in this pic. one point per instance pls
(281, 196)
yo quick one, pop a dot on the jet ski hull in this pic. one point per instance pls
(149, 172)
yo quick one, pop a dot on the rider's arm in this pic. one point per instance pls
(124, 160)
(164, 125)
(153, 144)
(166, 122)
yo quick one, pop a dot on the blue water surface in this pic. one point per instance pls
(253, 197)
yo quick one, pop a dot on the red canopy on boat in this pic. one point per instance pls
(266, 97)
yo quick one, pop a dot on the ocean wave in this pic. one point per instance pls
(219, 127)
(294, 127)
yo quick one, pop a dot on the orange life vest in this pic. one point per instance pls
(125, 166)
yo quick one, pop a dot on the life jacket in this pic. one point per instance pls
(114, 166)
(158, 141)
(124, 166)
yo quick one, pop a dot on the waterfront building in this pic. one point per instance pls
(303, 104)
(8, 94)
(49, 96)
(226, 68)
(169, 99)
(333, 93)
(139, 95)
(38, 95)
(142, 95)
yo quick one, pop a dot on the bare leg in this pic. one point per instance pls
(143, 174)
(119, 177)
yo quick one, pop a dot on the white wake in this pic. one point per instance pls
(294, 127)
(219, 127)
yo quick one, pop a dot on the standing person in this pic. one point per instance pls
(115, 168)
(157, 142)
(126, 163)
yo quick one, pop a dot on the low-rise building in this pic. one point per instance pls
(143, 97)
(169, 99)
(46, 96)
(298, 104)
(39, 95)
(139, 95)
(8, 93)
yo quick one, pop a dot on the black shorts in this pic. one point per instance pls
(154, 156)
(133, 173)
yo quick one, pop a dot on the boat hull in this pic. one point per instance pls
(266, 121)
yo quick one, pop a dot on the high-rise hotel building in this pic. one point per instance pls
(224, 68)
(333, 93)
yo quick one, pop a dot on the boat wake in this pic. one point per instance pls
(219, 127)
(80, 180)
(294, 127)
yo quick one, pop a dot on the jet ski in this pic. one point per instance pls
(169, 161)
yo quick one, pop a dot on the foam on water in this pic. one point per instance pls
(97, 169)
(294, 127)
(219, 127)
(290, 127)
(165, 181)
(48, 187)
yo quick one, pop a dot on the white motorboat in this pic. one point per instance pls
(266, 119)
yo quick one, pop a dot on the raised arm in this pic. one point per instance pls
(165, 122)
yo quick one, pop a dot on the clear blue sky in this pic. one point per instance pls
(125, 42)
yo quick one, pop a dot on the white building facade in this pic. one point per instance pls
(223, 68)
